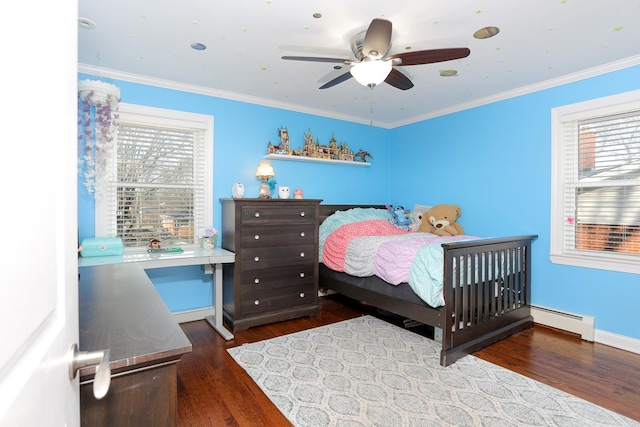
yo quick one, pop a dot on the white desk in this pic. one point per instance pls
(198, 256)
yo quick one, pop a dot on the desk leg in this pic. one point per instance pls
(216, 320)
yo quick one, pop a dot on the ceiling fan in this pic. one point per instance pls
(373, 64)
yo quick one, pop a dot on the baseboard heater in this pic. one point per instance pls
(571, 322)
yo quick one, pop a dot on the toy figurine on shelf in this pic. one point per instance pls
(297, 193)
(284, 146)
(362, 155)
(312, 148)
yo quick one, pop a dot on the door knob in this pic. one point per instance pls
(99, 359)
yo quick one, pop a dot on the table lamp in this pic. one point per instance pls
(264, 172)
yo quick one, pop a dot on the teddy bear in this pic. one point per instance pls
(441, 220)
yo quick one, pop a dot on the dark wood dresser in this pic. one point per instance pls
(275, 276)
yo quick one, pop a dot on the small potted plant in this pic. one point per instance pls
(208, 238)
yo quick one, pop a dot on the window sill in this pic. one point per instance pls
(599, 262)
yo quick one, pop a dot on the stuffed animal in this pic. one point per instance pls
(441, 220)
(417, 215)
(400, 217)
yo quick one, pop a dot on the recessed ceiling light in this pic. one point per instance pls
(198, 46)
(86, 24)
(317, 15)
(486, 32)
(448, 73)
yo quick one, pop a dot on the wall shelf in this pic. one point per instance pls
(314, 160)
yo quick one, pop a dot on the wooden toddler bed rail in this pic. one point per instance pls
(487, 293)
(487, 285)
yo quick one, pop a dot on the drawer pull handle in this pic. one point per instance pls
(301, 294)
(256, 280)
(256, 259)
(257, 214)
(302, 234)
(302, 213)
(301, 254)
(301, 274)
(257, 237)
(257, 302)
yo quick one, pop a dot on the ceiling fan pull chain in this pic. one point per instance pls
(371, 107)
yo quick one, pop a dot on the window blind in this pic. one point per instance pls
(602, 183)
(158, 190)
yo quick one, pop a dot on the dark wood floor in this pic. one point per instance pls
(214, 391)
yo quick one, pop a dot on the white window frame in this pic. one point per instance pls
(560, 253)
(163, 117)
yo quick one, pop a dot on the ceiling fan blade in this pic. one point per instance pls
(377, 40)
(317, 59)
(429, 56)
(339, 79)
(330, 76)
(397, 79)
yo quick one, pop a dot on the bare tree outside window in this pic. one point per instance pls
(155, 184)
(159, 181)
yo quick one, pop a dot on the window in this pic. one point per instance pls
(595, 195)
(159, 182)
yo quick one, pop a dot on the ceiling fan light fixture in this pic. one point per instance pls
(371, 73)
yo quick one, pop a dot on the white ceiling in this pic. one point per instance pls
(541, 43)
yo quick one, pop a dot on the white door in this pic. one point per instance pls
(38, 241)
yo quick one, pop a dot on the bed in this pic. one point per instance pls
(489, 301)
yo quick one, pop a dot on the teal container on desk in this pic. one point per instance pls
(101, 246)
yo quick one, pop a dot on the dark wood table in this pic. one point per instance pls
(120, 309)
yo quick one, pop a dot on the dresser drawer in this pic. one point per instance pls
(255, 236)
(275, 278)
(287, 213)
(268, 301)
(278, 256)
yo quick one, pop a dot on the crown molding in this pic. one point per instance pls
(525, 90)
(201, 90)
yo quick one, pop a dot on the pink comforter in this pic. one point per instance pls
(394, 258)
(335, 247)
(377, 247)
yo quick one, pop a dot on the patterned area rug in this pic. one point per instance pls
(367, 372)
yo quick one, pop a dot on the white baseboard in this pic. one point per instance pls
(193, 315)
(583, 326)
(571, 322)
(618, 341)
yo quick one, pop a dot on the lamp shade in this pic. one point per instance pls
(371, 72)
(265, 169)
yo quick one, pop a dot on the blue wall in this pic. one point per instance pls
(494, 161)
(241, 134)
